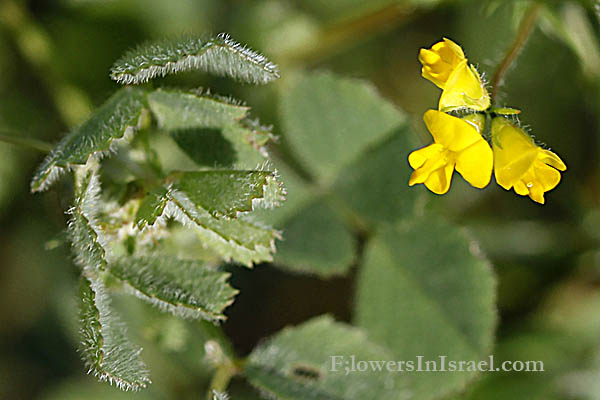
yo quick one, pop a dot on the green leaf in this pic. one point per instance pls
(297, 364)
(317, 242)
(227, 192)
(223, 193)
(376, 185)
(105, 348)
(212, 131)
(115, 119)
(178, 110)
(219, 55)
(232, 146)
(298, 196)
(151, 207)
(206, 147)
(187, 289)
(425, 291)
(232, 239)
(85, 234)
(330, 121)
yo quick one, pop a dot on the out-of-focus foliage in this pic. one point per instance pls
(395, 278)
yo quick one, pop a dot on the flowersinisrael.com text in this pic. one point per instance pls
(350, 364)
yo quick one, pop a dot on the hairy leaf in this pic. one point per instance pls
(178, 110)
(187, 289)
(152, 207)
(115, 119)
(298, 196)
(233, 239)
(85, 234)
(220, 192)
(227, 192)
(329, 121)
(309, 361)
(440, 292)
(212, 131)
(105, 348)
(219, 55)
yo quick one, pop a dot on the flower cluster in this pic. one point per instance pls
(518, 163)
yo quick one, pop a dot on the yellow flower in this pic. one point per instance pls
(457, 144)
(446, 66)
(440, 61)
(522, 165)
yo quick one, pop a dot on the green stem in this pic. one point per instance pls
(222, 377)
(525, 28)
(29, 143)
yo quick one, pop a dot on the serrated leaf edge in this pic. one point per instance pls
(99, 294)
(178, 309)
(48, 172)
(199, 61)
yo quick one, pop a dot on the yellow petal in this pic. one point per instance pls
(439, 180)
(450, 50)
(521, 188)
(434, 161)
(439, 61)
(475, 163)
(514, 152)
(552, 159)
(428, 57)
(507, 171)
(464, 89)
(451, 132)
(536, 193)
(547, 176)
(417, 158)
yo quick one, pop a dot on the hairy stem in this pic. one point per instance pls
(29, 143)
(525, 28)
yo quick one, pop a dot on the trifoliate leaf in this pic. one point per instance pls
(219, 55)
(115, 119)
(105, 348)
(187, 289)
(440, 292)
(309, 362)
(330, 121)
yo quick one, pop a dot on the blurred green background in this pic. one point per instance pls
(54, 62)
